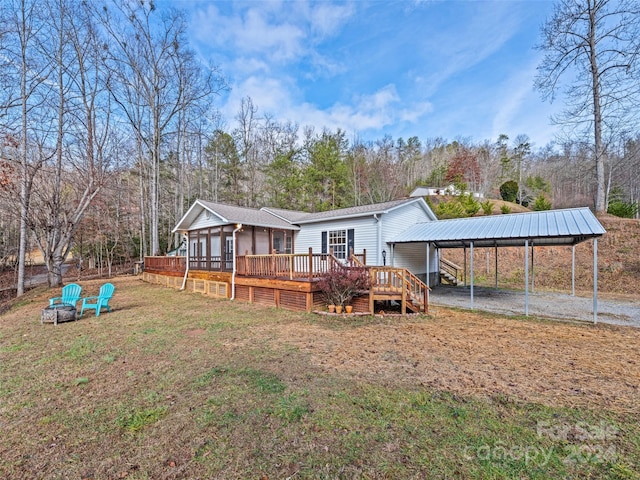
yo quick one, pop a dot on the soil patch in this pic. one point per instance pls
(476, 354)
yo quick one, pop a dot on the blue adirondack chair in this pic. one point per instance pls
(70, 295)
(99, 302)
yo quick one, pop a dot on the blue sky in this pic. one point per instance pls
(408, 68)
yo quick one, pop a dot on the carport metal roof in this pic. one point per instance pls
(553, 227)
(547, 228)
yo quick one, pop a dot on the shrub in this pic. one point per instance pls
(541, 203)
(487, 207)
(505, 209)
(470, 205)
(340, 284)
(509, 191)
(452, 209)
(622, 209)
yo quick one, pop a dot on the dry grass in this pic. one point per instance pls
(177, 385)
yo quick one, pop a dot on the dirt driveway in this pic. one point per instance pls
(541, 304)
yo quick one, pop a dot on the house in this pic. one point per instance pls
(232, 250)
(448, 190)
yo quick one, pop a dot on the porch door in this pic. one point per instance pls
(282, 242)
(228, 254)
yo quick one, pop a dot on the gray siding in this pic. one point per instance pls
(365, 228)
(203, 222)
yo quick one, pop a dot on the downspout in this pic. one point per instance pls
(233, 274)
(379, 238)
(186, 270)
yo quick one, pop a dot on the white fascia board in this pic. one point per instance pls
(180, 228)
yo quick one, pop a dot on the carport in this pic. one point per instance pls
(548, 228)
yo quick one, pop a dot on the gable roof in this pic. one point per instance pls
(301, 218)
(231, 214)
(551, 227)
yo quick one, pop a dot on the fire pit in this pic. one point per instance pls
(58, 313)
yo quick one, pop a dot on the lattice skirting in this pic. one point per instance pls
(206, 287)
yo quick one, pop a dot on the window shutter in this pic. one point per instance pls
(351, 241)
(324, 243)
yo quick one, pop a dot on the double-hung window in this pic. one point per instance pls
(338, 241)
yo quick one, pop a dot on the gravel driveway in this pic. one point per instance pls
(542, 304)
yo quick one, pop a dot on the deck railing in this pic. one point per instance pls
(307, 266)
(302, 266)
(165, 264)
(451, 270)
(399, 281)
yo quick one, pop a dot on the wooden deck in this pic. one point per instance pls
(288, 281)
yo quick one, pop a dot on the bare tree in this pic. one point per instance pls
(595, 46)
(155, 77)
(25, 73)
(80, 160)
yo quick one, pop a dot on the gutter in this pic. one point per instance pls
(233, 274)
(186, 270)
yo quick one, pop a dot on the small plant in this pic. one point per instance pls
(622, 209)
(340, 284)
(541, 203)
(470, 204)
(452, 209)
(505, 209)
(487, 207)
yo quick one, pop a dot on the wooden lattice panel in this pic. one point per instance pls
(319, 302)
(200, 286)
(242, 293)
(361, 304)
(293, 300)
(264, 296)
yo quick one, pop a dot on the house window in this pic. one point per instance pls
(338, 242)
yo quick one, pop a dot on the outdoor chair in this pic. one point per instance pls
(70, 296)
(99, 302)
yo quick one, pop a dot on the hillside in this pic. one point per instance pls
(618, 262)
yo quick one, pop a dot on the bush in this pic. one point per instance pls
(541, 203)
(340, 284)
(505, 209)
(622, 209)
(487, 207)
(470, 205)
(451, 209)
(509, 191)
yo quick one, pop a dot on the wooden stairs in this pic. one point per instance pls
(399, 284)
(450, 273)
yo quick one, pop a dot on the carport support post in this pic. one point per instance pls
(471, 266)
(526, 278)
(465, 265)
(428, 273)
(533, 270)
(595, 280)
(573, 270)
(496, 247)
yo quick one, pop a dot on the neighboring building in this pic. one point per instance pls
(448, 190)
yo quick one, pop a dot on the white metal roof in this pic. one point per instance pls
(551, 227)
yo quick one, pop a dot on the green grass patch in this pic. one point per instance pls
(136, 420)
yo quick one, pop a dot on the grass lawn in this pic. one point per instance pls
(177, 385)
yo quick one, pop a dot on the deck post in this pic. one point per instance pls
(310, 264)
(364, 256)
